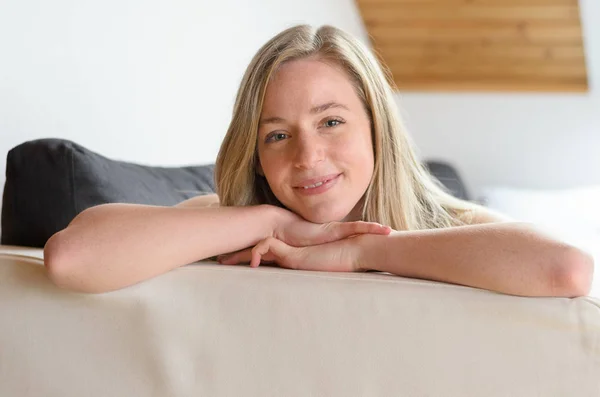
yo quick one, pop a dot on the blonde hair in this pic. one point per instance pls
(401, 194)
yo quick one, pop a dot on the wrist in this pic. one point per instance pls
(373, 251)
(366, 252)
(273, 217)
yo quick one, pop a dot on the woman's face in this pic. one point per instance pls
(314, 141)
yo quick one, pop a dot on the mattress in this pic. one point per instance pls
(212, 330)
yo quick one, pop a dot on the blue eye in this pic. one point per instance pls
(335, 121)
(276, 137)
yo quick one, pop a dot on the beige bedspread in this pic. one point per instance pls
(212, 330)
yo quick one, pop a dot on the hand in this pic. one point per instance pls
(294, 230)
(337, 256)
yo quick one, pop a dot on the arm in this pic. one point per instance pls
(507, 257)
(112, 246)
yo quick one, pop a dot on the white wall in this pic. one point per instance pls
(154, 82)
(146, 81)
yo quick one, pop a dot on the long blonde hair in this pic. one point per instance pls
(401, 194)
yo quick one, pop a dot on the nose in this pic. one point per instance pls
(308, 152)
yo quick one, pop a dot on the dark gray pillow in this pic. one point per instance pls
(50, 181)
(448, 177)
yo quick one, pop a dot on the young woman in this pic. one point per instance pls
(315, 162)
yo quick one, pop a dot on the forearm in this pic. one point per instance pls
(511, 258)
(115, 245)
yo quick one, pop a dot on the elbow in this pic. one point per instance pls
(58, 261)
(573, 274)
(53, 258)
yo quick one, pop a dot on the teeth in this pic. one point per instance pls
(313, 186)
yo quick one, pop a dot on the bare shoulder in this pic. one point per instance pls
(205, 200)
(479, 214)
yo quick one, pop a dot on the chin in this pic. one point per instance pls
(324, 215)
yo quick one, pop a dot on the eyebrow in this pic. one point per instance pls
(315, 110)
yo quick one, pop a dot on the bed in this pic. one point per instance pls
(211, 330)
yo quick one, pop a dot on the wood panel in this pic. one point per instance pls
(559, 34)
(389, 12)
(425, 51)
(475, 2)
(524, 44)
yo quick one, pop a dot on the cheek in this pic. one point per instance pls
(358, 152)
(273, 167)
(360, 157)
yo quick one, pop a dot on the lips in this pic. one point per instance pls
(315, 182)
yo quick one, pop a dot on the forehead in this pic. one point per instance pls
(306, 83)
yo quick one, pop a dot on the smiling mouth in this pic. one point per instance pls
(317, 186)
(314, 185)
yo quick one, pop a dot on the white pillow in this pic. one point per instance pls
(573, 212)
